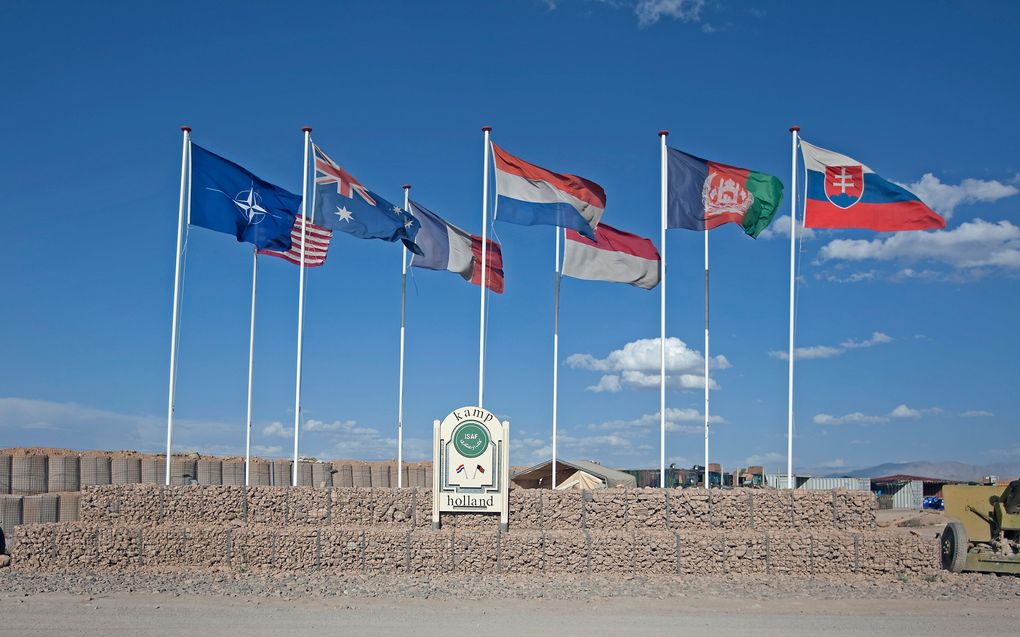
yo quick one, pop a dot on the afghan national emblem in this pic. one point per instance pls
(722, 193)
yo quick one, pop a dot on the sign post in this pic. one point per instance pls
(471, 465)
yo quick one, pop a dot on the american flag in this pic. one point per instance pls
(328, 171)
(316, 244)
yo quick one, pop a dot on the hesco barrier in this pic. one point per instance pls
(64, 474)
(154, 470)
(39, 509)
(232, 473)
(182, 472)
(96, 471)
(210, 472)
(126, 470)
(282, 476)
(261, 474)
(28, 475)
(5, 474)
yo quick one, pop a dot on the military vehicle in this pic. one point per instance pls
(985, 533)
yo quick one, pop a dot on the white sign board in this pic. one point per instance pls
(470, 464)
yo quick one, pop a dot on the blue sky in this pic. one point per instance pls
(909, 341)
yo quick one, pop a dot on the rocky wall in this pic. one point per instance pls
(163, 548)
(607, 509)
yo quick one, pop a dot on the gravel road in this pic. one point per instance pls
(221, 603)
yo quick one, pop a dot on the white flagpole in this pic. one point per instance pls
(662, 312)
(185, 186)
(556, 352)
(301, 304)
(400, 391)
(793, 253)
(707, 472)
(251, 365)
(487, 130)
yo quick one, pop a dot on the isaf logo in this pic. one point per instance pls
(844, 185)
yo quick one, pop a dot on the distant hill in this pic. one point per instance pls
(949, 470)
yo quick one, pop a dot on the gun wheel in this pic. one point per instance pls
(954, 547)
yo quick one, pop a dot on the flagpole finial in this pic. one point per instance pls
(795, 129)
(407, 186)
(306, 129)
(486, 129)
(663, 133)
(186, 129)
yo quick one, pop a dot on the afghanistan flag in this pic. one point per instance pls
(704, 195)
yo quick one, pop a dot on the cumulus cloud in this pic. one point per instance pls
(651, 11)
(636, 365)
(827, 351)
(762, 459)
(974, 244)
(902, 412)
(944, 197)
(780, 228)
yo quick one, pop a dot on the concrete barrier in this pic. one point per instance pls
(126, 470)
(5, 474)
(96, 471)
(41, 509)
(232, 472)
(211, 472)
(28, 475)
(64, 474)
(153, 470)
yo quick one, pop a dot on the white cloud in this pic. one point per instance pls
(277, 429)
(763, 459)
(651, 11)
(678, 420)
(876, 338)
(944, 198)
(827, 351)
(857, 418)
(609, 383)
(636, 365)
(780, 228)
(271, 450)
(974, 244)
(977, 413)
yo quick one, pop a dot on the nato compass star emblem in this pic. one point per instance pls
(249, 205)
(344, 213)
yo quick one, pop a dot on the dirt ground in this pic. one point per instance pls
(83, 603)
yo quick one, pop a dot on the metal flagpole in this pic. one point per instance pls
(400, 391)
(662, 313)
(301, 304)
(708, 483)
(251, 365)
(793, 281)
(185, 186)
(486, 130)
(556, 351)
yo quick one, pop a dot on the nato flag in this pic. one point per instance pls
(228, 198)
(343, 203)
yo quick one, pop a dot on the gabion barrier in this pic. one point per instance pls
(64, 474)
(28, 475)
(38, 509)
(126, 470)
(211, 472)
(96, 470)
(5, 474)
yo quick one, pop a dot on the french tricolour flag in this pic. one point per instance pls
(844, 193)
(531, 195)
(447, 247)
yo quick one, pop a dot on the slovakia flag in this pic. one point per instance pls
(844, 193)
(531, 195)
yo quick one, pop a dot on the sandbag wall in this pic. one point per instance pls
(389, 530)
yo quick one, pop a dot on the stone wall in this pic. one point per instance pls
(341, 529)
(339, 549)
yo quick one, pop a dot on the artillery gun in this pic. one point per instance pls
(985, 535)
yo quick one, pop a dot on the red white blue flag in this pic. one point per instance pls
(531, 195)
(844, 193)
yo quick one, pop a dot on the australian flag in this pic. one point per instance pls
(342, 203)
(227, 198)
